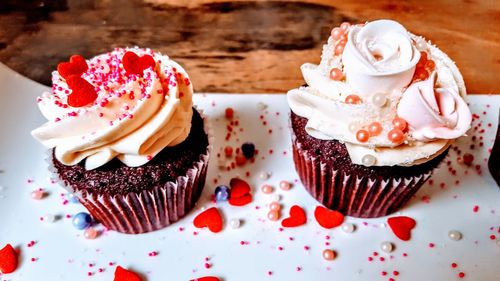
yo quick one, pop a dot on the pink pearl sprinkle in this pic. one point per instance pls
(37, 194)
(336, 74)
(267, 189)
(90, 233)
(285, 185)
(275, 206)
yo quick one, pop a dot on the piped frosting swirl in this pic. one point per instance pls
(133, 118)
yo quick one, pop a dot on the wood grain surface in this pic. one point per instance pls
(239, 46)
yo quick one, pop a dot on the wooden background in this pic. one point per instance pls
(239, 46)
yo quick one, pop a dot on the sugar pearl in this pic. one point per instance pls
(379, 99)
(348, 227)
(49, 218)
(234, 223)
(386, 247)
(354, 127)
(37, 194)
(328, 255)
(273, 215)
(336, 33)
(285, 185)
(90, 233)
(275, 206)
(421, 44)
(336, 74)
(264, 175)
(267, 189)
(455, 235)
(345, 26)
(368, 160)
(277, 197)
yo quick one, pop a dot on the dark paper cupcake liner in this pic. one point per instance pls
(350, 193)
(151, 209)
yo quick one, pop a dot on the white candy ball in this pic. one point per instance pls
(347, 227)
(455, 235)
(386, 247)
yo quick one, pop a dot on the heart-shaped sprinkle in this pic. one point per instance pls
(76, 66)
(402, 226)
(83, 92)
(206, 278)
(328, 218)
(240, 192)
(134, 64)
(297, 217)
(122, 274)
(8, 259)
(210, 218)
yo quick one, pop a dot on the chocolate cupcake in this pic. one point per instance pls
(376, 117)
(125, 139)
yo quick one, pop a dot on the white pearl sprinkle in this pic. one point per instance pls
(277, 197)
(368, 160)
(234, 223)
(455, 235)
(261, 106)
(421, 44)
(354, 127)
(264, 175)
(386, 247)
(49, 218)
(348, 227)
(379, 99)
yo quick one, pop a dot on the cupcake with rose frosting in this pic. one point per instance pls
(125, 139)
(376, 117)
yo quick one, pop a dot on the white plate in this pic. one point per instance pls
(62, 253)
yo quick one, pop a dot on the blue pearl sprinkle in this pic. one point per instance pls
(222, 193)
(73, 198)
(248, 149)
(82, 220)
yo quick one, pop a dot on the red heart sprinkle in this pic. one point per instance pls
(8, 259)
(76, 66)
(402, 226)
(83, 92)
(328, 218)
(240, 192)
(297, 217)
(134, 64)
(210, 218)
(122, 274)
(206, 278)
(240, 201)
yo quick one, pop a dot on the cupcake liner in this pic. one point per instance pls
(152, 209)
(350, 193)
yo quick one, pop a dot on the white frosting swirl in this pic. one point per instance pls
(133, 118)
(379, 57)
(322, 102)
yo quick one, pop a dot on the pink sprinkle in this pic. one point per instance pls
(89, 273)
(370, 259)
(299, 268)
(383, 273)
(431, 245)
(207, 265)
(280, 248)
(461, 275)
(475, 209)
(101, 270)
(33, 259)
(306, 248)
(269, 273)
(382, 259)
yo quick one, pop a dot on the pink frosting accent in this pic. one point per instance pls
(434, 113)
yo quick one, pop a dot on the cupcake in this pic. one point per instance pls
(123, 136)
(376, 117)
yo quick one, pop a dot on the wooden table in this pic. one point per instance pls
(239, 46)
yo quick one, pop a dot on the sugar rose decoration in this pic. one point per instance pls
(434, 113)
(379, 57)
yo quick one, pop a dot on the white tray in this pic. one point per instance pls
(62, 253)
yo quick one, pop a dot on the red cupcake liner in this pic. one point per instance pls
(350, 193)
(151, 209)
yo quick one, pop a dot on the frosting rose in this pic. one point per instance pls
(382, 64)
(439, 113)
(379, 57)
(133, 118)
